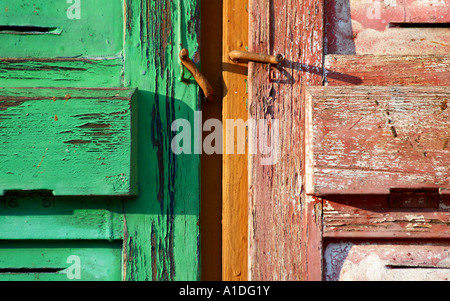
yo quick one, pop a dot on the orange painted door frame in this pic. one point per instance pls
(235, 176)
(223, 215)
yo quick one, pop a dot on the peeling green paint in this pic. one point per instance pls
(69, 141)
(97, 33)
(163, 238)
(133, 44)
(54, 261)
(78, 72)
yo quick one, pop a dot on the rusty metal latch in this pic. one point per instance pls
(237, 56)
(198, 76)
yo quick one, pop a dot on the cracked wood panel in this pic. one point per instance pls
(75, 72)
(57, 260)
(40, 216)
(52, 138)
(42, 47)
(37, 29)
(387, 70)
(409, 261)
(389, 27)
(284, 224)
(379, 217)
(161, 237)
(367, 140)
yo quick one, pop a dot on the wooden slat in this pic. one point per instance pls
(380, 13)
(52, 138)
(312, 233)
(363, 27)
(235, 177)
(98, 32)
(366, 140)
(280, 216)
(386, 70)
(78, 72)
(373, 217)
(35, 260)
(43, 217)
(387, 261)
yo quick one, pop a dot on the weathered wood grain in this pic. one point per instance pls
(98, 32)
(235, 175)
(378, 140)
(73, 73)
(39, 216)
(133, 44)
(312, 238)
(54, 261)
(411, 261)
(162, 238)
(280, 215)
(368, 140)
(387, 70)
(372, 27)
(53, 138)
(373, 217)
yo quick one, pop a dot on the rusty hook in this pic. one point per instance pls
(237, 55)
(199, 78)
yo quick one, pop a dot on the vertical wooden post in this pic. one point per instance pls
(285, 225)
(235, 183)
(211, 164)
(162, 239)
(311, 246)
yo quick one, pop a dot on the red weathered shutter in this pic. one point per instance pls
(364, 153)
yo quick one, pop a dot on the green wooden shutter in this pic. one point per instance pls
(101, 81)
